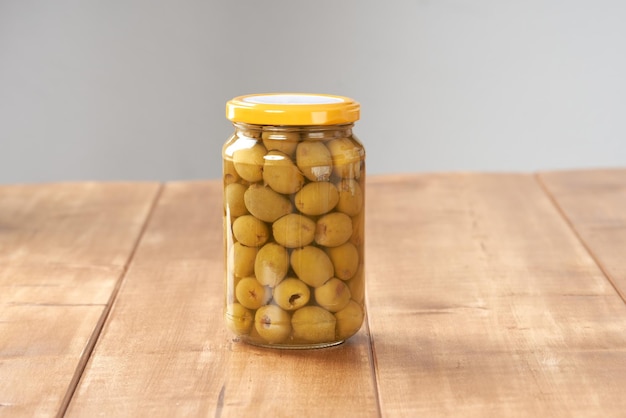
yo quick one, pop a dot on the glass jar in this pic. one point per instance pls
(294, 184)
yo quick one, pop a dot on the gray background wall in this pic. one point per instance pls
(109, 90)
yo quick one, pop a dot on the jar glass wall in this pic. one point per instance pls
(294, 234)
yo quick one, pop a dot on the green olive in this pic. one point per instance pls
(230, 174)
(314, 160)
(311, 265)
(271, 264)
(358, 233)
(283, 141)
(294, 230)
(345, 259)
(313, 324)
(357, 285)
(243, 260)
(248, 133)
(272, 323)
(291, 294)
(252, 294)
(346, 157)
(333, 295)
(233, 200)
(333, 229)
(238, 319)
(349, 320)
(249, 162)
(350, 197)
(317, 198)
(281, 174)
(250, 231)
(265, 203)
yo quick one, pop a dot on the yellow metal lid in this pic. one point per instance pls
(293, 109)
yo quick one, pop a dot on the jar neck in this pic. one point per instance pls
(314, 132)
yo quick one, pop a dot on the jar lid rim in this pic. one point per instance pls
(293, 109)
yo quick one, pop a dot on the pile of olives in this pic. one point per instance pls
(293, 210)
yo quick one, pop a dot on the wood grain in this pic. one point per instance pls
(62, 249)
(483, 302)
(594, 202)
(488, 295)
(165, 352)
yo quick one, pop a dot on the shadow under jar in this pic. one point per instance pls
(294, 184)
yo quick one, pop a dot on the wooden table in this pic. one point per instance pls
(488, 295)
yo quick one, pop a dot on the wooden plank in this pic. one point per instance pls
(483, 302)
(165, 352)
(63, 248)
(594, 203)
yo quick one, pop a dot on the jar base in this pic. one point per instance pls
(311, 346)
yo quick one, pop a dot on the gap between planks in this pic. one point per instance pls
(91, 343)
(569, 223)
(371, 352)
